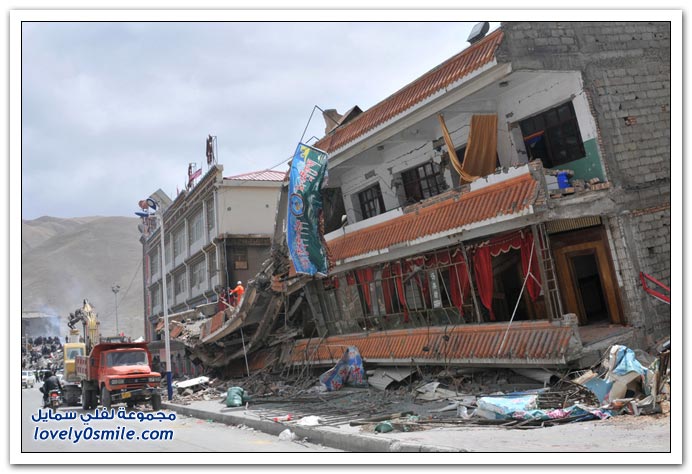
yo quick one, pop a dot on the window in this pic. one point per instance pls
(180, 284)
(553, 136)
(422, 182)
(212, 264)
(156, 296)
(118, 359)
(168, 251)
(210, 214)
(371, 202)
(196, 228)
(178, 243)
(197, 274)
(240, 258)
(154, 262)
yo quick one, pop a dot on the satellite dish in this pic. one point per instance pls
(142, 214)
(152, 204)
(140, 227)
(478, 32)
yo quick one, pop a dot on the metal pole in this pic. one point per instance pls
(115, 289)
(473, 290)
(167, 336)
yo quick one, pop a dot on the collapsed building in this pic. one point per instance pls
(499, 212)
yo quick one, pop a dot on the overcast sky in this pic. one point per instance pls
(113, 111)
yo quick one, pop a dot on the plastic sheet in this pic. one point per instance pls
(348, 371)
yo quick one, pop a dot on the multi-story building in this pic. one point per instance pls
(216, 233)
(567, 126)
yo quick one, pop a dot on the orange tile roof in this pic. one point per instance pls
(507, 197)
(527, 343)
(450, 71)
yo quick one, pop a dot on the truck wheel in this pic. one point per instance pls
(156, 402)
(93, 399)
(86, 399)
(105, 397)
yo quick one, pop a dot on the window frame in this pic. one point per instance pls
(423, 179)
(369, 198)
(196, 228)
(539, 123)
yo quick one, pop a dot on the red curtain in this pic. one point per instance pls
(532, 286)
(459, 282)
(364, 277)
(396, 270)
(483, 267)
(387, 289)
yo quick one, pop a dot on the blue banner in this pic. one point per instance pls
(305, 219)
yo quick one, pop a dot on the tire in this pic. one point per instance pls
(86, 399)
(92, 396)
(156, 402)
(130, 404)
(105, 397)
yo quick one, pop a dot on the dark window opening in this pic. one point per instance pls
(422, 182)
(371, 202)
(553, 136)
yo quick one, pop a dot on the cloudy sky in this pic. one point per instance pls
(113, 111)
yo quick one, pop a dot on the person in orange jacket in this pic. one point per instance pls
(236, 294)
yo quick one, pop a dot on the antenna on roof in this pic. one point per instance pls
(478, 32)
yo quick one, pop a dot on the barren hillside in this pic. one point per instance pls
(67, 260)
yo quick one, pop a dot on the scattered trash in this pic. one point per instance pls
(382, 378)
(311, 420)
(287, 435)
(235, 397)
(280, 419)
(348, 371)
(384, 427)
(463, 412)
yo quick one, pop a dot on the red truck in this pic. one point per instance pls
(118, 372)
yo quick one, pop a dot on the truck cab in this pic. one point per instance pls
(116, 373)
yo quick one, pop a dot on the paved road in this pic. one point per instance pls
(189, 434)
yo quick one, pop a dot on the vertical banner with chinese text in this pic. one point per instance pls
(305, 220)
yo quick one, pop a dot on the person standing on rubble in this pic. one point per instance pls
(236, 294)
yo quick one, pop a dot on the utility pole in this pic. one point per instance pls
(115, 289)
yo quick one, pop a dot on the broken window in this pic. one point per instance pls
(371, 202)
(423, 182)
(553, 136)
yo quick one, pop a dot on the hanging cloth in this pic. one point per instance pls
(483, 267)
(459, 286)
(481, 148)
(387, 290)
(364, 277)
(533, 284)
(396, 270)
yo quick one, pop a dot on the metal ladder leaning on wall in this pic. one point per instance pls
(551, 289)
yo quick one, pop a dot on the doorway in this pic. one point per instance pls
(586, 276)
(589, 286)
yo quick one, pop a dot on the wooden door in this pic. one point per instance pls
(590, 243)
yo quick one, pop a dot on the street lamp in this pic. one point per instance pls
(115, 289)
(146, 205)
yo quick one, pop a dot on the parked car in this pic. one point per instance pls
(28, 379)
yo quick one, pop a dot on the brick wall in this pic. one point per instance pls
(625, 67)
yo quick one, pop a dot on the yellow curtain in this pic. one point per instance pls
(481, 148)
